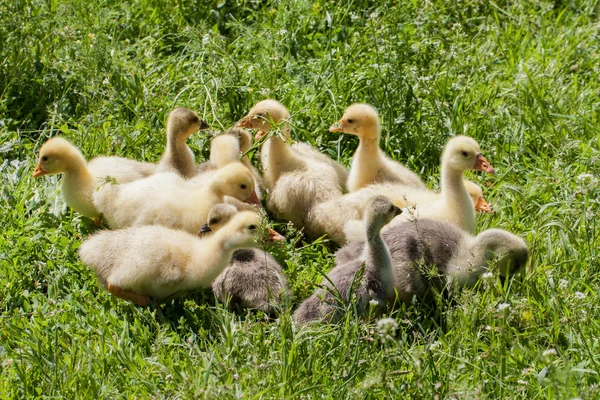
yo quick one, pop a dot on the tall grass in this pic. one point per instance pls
(520, 77)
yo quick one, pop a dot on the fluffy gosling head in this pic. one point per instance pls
(224, 149)
(243, 136)
(236, 180)
(218, 216)
(183, 122)
(359, 119)
(462, 153)
(56, 156)
(261, 115)
(379, 213)
(476, 194)
(511, 250)
(245, 229)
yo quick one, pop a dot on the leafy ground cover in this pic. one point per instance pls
(520, 77)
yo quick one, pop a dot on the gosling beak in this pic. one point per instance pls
(337, 127)
(483, 206)
(245, 122)
(275, 236)
(260, 134)
(39, 171)
(204, 124)
(253, 199)
(205, 228)
(481, 164)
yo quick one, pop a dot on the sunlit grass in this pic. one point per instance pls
(520, 77)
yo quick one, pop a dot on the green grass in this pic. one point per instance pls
(521, 77)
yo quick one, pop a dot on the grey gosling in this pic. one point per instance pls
(377, 280)
(254, 279)
(427, 253)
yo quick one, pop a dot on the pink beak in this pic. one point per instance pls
(276, 236)
(481, 164)
(483, 206)
(39, 171)
(253, 199)
(337, 127)
(245, 122)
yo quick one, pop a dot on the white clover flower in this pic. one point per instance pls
(549, 352)
(579, 295)
(373, 303)
(386, 327)
(503, 306)
(563, 284)
(487, 275)
(585, 177)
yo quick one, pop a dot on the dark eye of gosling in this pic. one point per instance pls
(195, 119)
(350, 121)
(213, 221)
(252, 227)
(465, 153)
(45, 158)
(243, 186)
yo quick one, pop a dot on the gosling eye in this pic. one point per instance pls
(243, 187)
(195, 119)
(465, 154)
(252, 227)
(44, 158)
(350, 121)
(213, 221)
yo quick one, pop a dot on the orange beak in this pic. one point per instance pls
(253, 199)
(260, 134)
(337, 127)
(483, 206)
(481, 164)
(245, 122)
(39, 171)
(275, 236)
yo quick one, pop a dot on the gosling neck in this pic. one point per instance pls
(210, 259)
(457, 198)
(77, 170)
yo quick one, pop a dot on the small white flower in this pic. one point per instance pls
(563, 284)
(487, 275)
(282, 32)
(549, 352)
(386, 327)
(435, 345)
(373, 15)
(373, 303)
(503, 306)
(205, 39)
(579, 295)
(236, 376)
(585, 177)
(521, 382)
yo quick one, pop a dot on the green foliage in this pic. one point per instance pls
(520, 77)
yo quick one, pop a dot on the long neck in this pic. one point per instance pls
(280, 156)
(377, 257)
(77, 171)
(209, 260)
(175, 142)
(456, 197)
